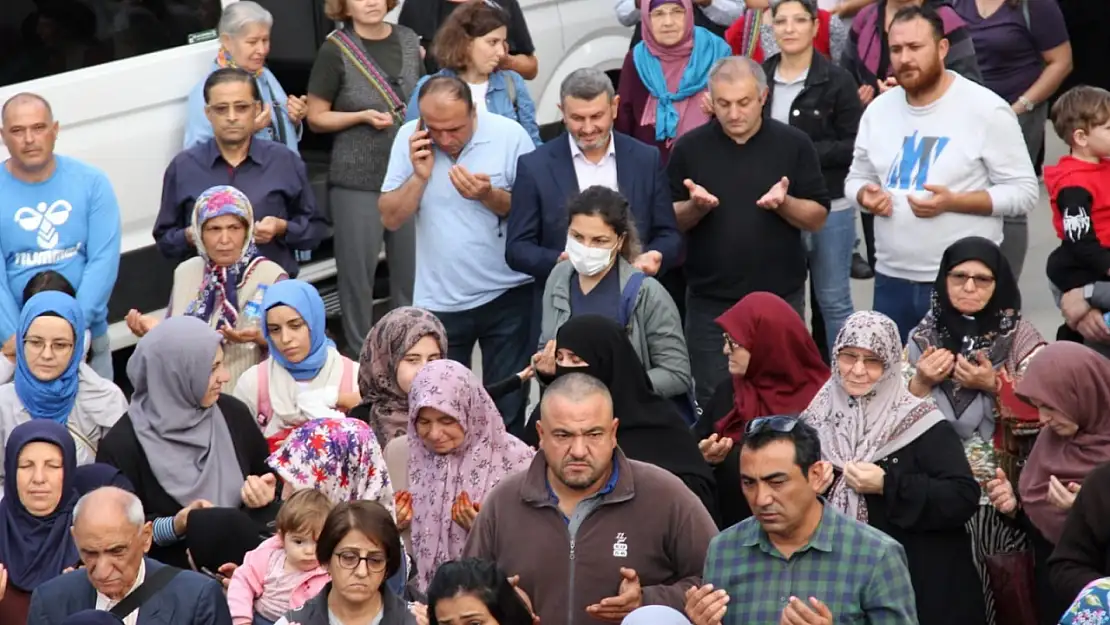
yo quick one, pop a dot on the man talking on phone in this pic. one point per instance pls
(452, 170)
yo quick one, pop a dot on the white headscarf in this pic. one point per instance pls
(871, 427)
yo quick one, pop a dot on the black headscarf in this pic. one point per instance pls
(991, 330)
(651, 429)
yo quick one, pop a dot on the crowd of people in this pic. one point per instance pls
(697, 454)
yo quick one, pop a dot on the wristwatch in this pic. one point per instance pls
(1027, 104)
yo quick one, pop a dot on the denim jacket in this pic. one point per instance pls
(497, 100)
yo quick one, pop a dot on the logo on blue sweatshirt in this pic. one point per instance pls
(910, 169)
(44, 220)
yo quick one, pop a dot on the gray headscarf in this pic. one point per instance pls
(189, 448)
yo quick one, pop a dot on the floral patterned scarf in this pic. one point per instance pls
(224, 59)
(219, 288)
(486, 456)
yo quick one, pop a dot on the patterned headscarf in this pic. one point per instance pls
(1091, 607)
(486, 456)
(871, 427)
(338, 457)
(219, 289)
(390, 338)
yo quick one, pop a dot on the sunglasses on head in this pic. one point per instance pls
(778, 423)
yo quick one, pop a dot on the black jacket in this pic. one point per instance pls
(828, 110)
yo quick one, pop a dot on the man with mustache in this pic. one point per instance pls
(938, 158)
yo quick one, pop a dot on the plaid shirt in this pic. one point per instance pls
(857, 571)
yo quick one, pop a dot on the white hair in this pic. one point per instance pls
(239, 15)
(131, 505)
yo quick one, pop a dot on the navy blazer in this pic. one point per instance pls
(189, 599)
(545, 180)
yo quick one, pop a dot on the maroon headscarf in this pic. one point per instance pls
(785, 371)
(1075, 380)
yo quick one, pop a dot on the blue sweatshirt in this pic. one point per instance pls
(70, 223)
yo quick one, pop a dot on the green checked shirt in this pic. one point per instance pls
(857, 571)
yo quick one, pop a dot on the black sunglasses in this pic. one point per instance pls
(778, 423)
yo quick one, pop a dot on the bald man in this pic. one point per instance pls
(112, 537)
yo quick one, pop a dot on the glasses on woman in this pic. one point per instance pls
(375, 562)
(849, 359)
(729, 343)
(37, 346)
(960, 278)
(778, 423)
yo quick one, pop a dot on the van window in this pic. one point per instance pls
(41, 38)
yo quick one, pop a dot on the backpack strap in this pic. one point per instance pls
(629, 295)
(153, 583)
(1025, 14)
(265, 409)
(346, 385)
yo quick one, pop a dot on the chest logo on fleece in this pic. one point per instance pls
(620, 548)
(44, 219)
(910, 169)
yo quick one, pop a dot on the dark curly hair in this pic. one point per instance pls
(476, 18)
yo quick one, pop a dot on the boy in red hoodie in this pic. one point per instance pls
(1079, 188)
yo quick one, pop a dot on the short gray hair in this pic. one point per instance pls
(586, 84)
(131, 505)
(576, 387)
(238, 15)
(735, 68)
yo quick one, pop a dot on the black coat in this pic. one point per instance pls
(929, 494)
(1083, 553)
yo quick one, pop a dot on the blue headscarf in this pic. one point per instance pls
(53, 399)
(92, 617)
(305, 299)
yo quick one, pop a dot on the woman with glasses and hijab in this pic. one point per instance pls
(899, 467)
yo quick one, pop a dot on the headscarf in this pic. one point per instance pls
(992, 329)
(52, 399)
(305, 299)
(1074, 380)
(1092, 606)
(655, 615)
(872, 427)
(338, 457)
(651, 429)
(785, 371)
(674, 75)
(486, 455)
(36, 549)
(97, 475)
(219, 289)
(189, 448)
(92, 617)
(390, 338)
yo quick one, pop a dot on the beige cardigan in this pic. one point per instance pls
(187, 280)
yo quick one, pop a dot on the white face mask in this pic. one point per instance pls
(588, 261)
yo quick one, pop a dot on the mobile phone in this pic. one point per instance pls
(419, 124)
(205, 570)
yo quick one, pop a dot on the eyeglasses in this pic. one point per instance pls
(778, 423)
(729, 343)
(960, 278)
(849, 359)
(37, 346)
(375, 562)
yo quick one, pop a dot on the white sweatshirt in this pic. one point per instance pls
(968, 140)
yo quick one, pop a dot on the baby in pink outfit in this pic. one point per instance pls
(282, 573)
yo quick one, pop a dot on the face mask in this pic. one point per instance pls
(588, 261)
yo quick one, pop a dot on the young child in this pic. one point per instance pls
(1079, 189)
(282, 573)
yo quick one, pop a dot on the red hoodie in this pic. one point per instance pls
(1095, 178)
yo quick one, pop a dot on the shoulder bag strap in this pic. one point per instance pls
(354, 53)
(346, 385)
(150, 587)
(265, 410)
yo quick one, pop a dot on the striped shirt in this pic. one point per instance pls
(857, 571)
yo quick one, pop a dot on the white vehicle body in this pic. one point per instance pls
(127, 116)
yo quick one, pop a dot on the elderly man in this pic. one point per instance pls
(591, 534)
(112, 537)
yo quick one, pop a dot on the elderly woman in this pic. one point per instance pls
(1069, 385)
(37, 511)
(305, 376)
(225, 284)
(183, 443)
(967, 354)
(360, 82)
(51, 381)
(665, 75)
(471, 44)
(361, 548)
(899, 466)
(456, 450)
(244, 43)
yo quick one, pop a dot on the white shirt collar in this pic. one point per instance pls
(576, 151)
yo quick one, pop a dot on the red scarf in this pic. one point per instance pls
(785, 370)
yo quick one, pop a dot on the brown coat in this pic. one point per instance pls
(649, 522)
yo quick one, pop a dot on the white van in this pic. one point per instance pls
(118, 75)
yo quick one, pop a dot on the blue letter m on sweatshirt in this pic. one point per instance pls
(910, 169)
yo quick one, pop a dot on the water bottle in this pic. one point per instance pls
(252, 315)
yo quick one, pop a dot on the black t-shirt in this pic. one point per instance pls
(326, 77)
(426, 16)
(738, 247)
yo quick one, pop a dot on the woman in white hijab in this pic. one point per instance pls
(899, 466)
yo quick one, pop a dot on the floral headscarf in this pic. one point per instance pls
(219, 289)
(390, 338)
(1091, 607)
(338, 457)
(486, 456)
